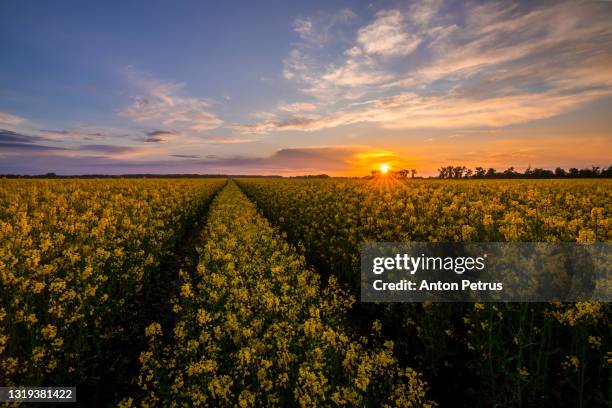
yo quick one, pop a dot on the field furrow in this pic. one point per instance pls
(81, 267)
(256, 328)
(475, 354)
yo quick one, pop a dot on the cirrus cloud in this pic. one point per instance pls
(163, 102)
(387, 35)
(7, 119)
(483, 65)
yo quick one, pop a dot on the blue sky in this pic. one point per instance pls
(294, 88)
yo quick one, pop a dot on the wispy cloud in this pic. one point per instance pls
(221, 140)
(108, 149)
(16, 137)
(186, 156)
(494, 64)
(159, 136)
(163, 103)
(72, 134)
(326, 80)
(323, 28)
(411, 111)
(7, 119)
(12, 143)
(388, 35)
(421, 12)
(297, 107)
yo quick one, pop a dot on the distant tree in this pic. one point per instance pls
(311, 176)
(510, 172)
(541, 173)
(530, 172)
(457, 171)
(479, 172)
(589, 173)
(412, 172)
(444, 172)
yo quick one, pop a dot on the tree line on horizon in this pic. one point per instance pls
(445, 172)
(463, 172)
(457, 172)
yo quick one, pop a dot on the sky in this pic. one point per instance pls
(289, 88)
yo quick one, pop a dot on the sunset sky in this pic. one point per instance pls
(295, 88)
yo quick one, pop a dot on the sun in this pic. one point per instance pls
(384, 168)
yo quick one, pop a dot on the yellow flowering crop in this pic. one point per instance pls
(266, 315)
(512, 351)
(256, 328)
(75, 258)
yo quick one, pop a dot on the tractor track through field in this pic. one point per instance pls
(256, 328)
(157, 300)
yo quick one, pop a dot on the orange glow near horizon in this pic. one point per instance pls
(364, 161)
